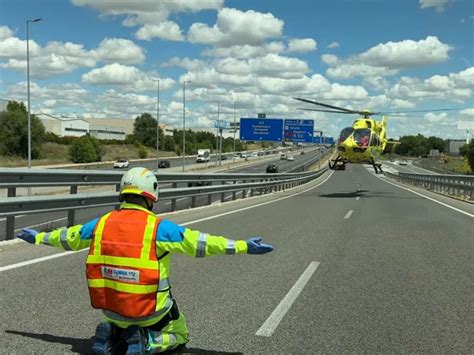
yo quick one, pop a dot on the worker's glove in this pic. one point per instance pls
(255, 247)
(28, 235)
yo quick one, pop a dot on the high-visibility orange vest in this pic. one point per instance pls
(122, 266)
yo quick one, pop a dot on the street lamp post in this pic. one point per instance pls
(184, 120)
(28, 84)
(233, 157)
(157, 124)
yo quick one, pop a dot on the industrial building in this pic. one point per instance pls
(64, 126)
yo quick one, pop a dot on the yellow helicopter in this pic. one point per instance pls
(365, 141)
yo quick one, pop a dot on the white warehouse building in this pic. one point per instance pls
(64, 127)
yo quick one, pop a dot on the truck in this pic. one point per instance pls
(203, 156)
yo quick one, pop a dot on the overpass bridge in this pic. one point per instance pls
(362, 263)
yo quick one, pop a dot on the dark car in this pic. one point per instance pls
(272, 168)
(224, 157)
(164, 164)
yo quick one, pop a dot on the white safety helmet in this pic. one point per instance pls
(139, 181)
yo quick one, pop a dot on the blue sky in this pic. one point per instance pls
(100, 59)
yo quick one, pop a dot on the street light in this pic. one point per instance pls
(184, 120)
(157, 123)
(233, 159)
(28, 84)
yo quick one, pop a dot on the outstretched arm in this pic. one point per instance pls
(175, 238)
(73, 238)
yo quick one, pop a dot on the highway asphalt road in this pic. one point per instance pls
(360, 265)
(39, 221)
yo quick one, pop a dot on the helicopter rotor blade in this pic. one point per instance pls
(416, 111)
(317, 110)
(325, 105)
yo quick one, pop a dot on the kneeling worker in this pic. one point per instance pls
(129, 263)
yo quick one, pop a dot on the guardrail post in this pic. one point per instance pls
(234, 193)
(173, 201)
(223, 193)
(252, 190)
(10, 226)
(209, 197)
(193, 201)
(71, 213)
(117, 188)
(244, 191)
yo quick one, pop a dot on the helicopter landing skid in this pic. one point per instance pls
(377, 168)
(337, 164)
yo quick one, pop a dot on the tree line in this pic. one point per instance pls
(85, 149)
(14, 139)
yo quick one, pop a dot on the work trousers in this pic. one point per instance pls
(174, 334)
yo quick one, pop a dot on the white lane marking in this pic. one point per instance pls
(349, 214)
(34, 261)
(429, 198)
(357, 198)
(277, 315)
(13, 266)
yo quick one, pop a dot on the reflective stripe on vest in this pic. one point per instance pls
(122, 265)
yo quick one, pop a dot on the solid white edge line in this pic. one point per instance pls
(349, 214)
(428, 198)
(280, 311)
(13, 266)
(34, 261)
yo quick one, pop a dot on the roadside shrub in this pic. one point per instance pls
(142, 152)
(85, 150)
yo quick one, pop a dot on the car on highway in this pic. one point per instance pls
(283, 156)
(121, 164)
(163, 164)
(272, 168)
(290, 158)
(224, 157)
(302, 152)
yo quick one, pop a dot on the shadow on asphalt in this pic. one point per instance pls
(83, 346)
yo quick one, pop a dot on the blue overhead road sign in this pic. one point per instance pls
(299, 131)
(261, 129)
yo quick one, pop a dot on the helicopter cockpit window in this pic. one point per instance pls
(362, 136)
(345, 133)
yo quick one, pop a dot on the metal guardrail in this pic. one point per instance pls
(460, 186)
(214, 183)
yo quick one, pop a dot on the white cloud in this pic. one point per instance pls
(301, 45)
(152, 15)
(437, 4)
(277, 66)
(245, 51)
(468, 112)
(463, 79)
(5, 32)
(388, 58)
(119, 50)
(407, 53)
(433, 117)
(12, 47)
(454, 87)
(112, 74)
(131, 78)
(167, 30)
(187, 63)
(334, 45)
(235, 27)
(60, 58)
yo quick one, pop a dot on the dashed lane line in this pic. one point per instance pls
(267, 329)
(349, 214)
